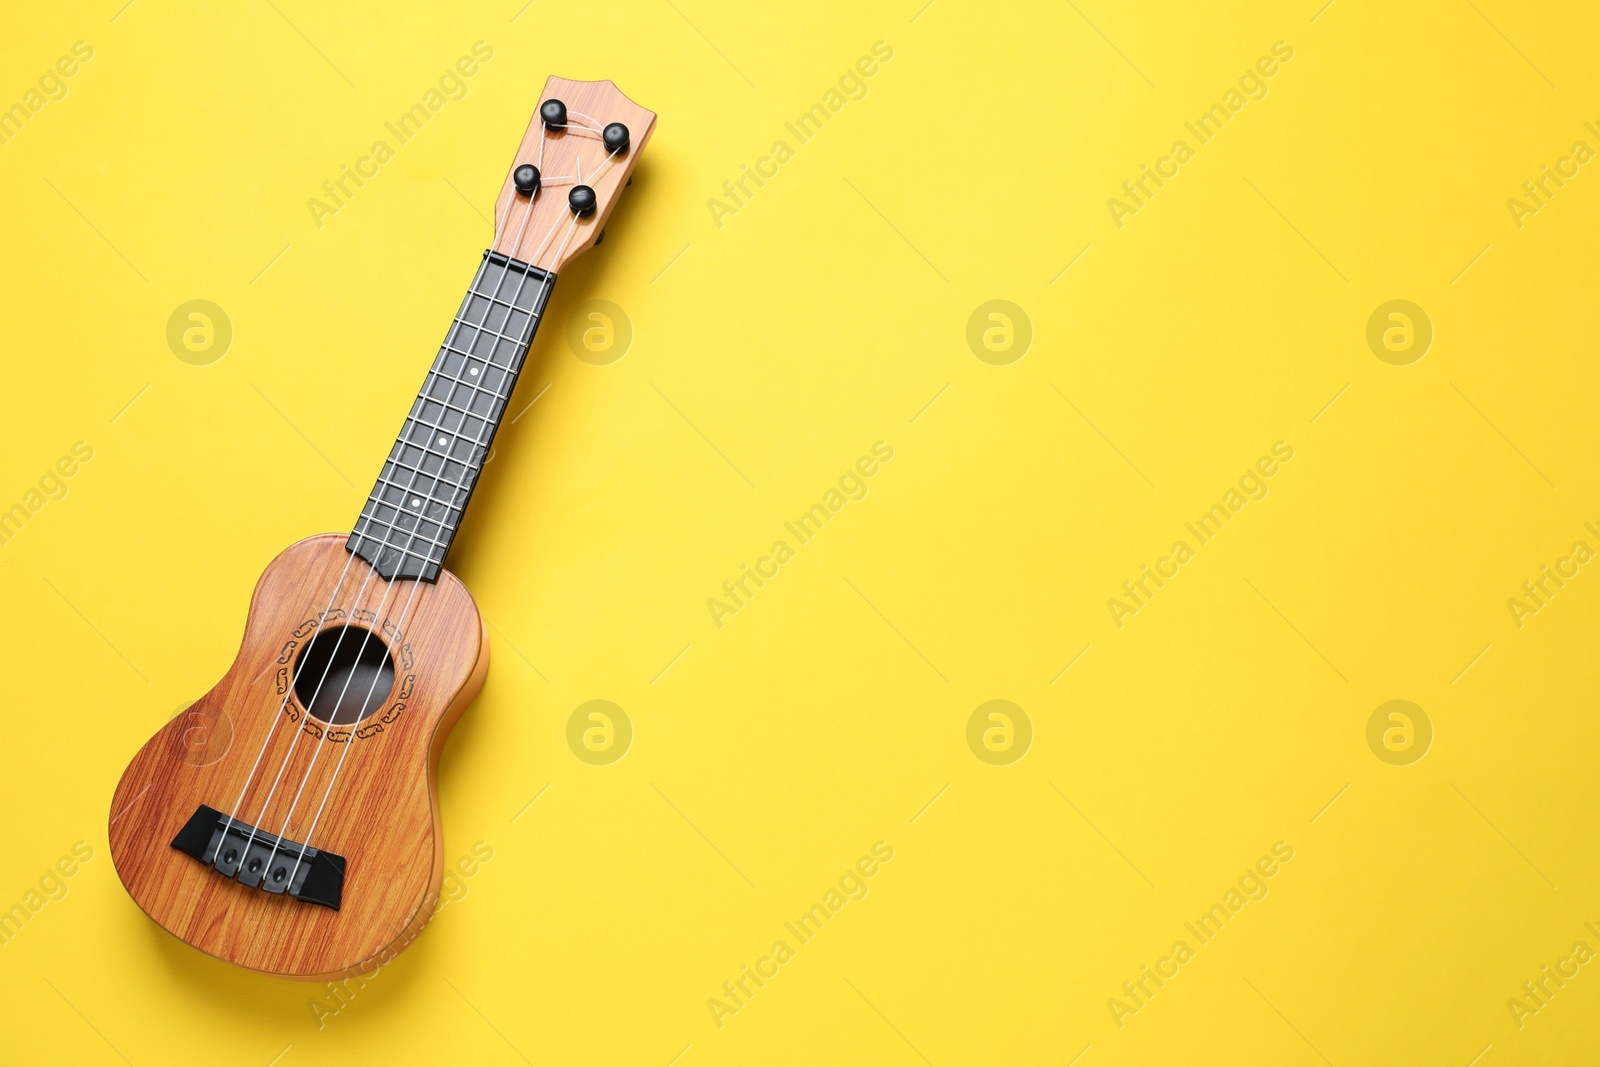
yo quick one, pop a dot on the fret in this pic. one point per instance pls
(415, 457)
(480, 386)
(423, 549)
(444, 516)
(495, 351)
(444, 369)
(449, 428)
(474, 371)
(464, 413)
(451, 420)
(430, 476)
(482, 303)
(465, 398)
(505, 323)
(438, 430)
(420, 496)
(424, 399)
(448, 350)
(415, 505)
(523, 271)
(449, 471)
(485, 314)
(389, 558)
(481, 329)
(495, 299)
(537, 277)
(448, 464)
(421, 489)
(373, 550)
(442, 546)
(416, 542)
(457, 389)
(483, 309)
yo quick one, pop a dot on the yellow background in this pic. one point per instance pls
(828, 713)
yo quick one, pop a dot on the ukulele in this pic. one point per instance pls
(288, 821)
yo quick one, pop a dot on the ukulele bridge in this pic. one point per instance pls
(261, 860)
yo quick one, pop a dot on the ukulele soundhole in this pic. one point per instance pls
(344, 675)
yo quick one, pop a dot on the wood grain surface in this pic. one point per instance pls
(544, 232)
(382, 815)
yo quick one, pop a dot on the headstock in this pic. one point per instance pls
(571, 133)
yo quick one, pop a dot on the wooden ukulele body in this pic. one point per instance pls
(282, 828)
(378, 775)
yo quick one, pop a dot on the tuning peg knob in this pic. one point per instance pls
(553, 112)
(526, 179)
(615, 136)
(582, 200)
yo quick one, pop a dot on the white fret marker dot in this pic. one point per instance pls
(416, 502)
(441, 440)
(472, 370)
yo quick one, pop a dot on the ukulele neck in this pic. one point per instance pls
(422, 492)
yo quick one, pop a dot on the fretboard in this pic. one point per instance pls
(408, 522)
